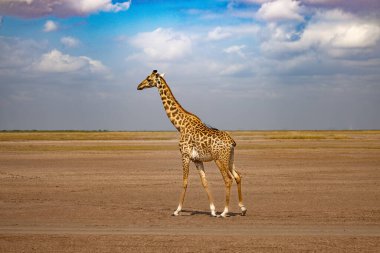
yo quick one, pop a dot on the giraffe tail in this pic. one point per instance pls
(231, 165)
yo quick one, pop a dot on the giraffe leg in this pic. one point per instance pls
(236, 175)
(227, 177)
(202, 174)
(185, 164)
(237, 178)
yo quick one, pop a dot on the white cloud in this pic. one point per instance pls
(280, 10)
(332, 32)
(163, 44)
(50, 26)
(348, 5)
(236, 49)
(218, 33)
(16, 54)
(57, 62)
(355, 5)
(116, 7)
(70, 41)
(356, 36)
(95, 66)
(221, 33)
(61, 8)
(233, 69)
(92, 6)
(320, 1)
(338, 29)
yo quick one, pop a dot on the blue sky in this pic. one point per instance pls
(237, 64)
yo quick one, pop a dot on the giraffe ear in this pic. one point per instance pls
(162, 75)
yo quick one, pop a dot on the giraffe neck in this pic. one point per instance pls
(176, 114)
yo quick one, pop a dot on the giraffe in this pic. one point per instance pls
(198, 143)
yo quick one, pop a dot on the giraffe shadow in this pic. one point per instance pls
(207, 213)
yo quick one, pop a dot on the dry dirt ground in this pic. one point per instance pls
(305, 191)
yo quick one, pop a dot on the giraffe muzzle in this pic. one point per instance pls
(140, 87)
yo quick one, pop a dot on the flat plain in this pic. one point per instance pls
(306, 191)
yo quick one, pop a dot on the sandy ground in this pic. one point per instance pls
(301, 194)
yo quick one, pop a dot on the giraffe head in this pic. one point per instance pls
(153, 80)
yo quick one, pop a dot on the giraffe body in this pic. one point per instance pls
(203, 144)
(198, 143)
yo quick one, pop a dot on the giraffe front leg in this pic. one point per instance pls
(185, 165)
(202, 174)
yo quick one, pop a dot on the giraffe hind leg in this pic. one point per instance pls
(227, 177)
(237, 176)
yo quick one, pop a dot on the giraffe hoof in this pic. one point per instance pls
(243, 212)
(213, 215)
(223, 215)
(175, 214)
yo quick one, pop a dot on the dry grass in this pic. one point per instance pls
(306, 134)
(171, 135)
(40, 141)
(95, 147)
(301, 135)
(272, 146)
(150, 141)
(83, 135)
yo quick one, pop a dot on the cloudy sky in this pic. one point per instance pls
(237, 64)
